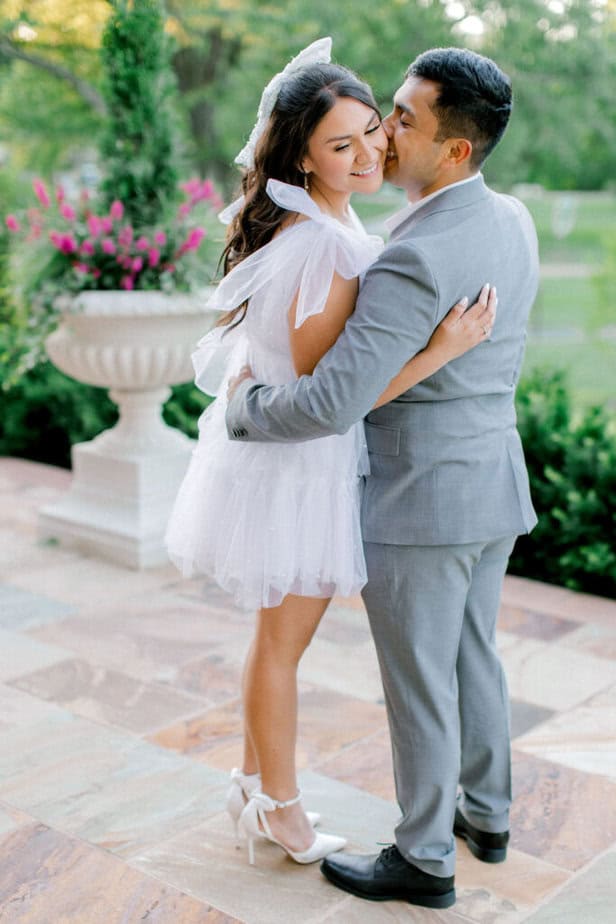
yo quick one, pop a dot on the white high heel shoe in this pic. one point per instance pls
(241, 788)
(253, 823)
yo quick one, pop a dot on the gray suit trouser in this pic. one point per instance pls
(433, 611)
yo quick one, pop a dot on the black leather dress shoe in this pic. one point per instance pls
(491, 848)
(387, 875)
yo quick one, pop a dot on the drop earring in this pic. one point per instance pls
(306, 182)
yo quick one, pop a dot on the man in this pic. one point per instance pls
(448, 490)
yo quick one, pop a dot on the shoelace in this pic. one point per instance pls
(390, 854)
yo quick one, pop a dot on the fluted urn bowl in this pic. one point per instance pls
(136, 344)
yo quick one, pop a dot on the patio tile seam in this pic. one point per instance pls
(209, 707)
(201, 704)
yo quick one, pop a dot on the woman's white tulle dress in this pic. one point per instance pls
(268, 519)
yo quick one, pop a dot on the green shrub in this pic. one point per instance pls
(572, 469)
(46, 412)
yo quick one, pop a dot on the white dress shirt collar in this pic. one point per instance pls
(395, 220)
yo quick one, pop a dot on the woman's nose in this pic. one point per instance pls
(364, 152)
(388, 125)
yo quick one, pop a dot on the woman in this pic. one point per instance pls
(278, 524)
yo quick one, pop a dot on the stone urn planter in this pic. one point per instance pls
(136, 344)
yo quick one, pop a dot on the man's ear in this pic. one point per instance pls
(460, 151)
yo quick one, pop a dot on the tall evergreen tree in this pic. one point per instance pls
(137, 144)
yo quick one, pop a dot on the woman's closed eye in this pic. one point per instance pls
(369, 131)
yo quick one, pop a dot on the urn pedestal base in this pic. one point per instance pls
(118, 508)
(126, 479)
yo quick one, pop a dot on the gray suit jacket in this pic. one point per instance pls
(447, 464)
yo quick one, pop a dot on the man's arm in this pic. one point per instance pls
(396, 312)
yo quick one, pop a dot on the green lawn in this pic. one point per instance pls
(570, 312)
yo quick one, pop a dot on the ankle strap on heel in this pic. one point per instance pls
(269, 805)
(289, 802)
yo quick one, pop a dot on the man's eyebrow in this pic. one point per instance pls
(404, 108)
(344, 137)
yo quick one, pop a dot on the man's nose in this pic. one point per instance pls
(388, 125)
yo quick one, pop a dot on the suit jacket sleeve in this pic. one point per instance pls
(396, 312)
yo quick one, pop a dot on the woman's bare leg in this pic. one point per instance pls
(250, 762)
(270, 706)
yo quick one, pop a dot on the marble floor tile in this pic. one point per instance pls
(557, 601)
(345, 625)
(138, 806)
(356, 911)
(595, 640)
(108, 696)
(58, 756)
(84, 579)
(20, 655)
(366, 765)
(503, 893)
(144, 638)
(19, 475)
(357, 674)
(205, 863)
(199, 735)
(47, 876)
(554, 676)
(22, 549)
(20, 709)
(329, 722)
(364, 819)
(525, 716)
(11, 818)
(21, 610)
(110, 789)
(583, 738)
(529, 624)
(589, 898)
(505, 640)
(212, 677)
(560, 815)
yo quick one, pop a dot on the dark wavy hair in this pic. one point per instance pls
(304, 99)
(474, 99)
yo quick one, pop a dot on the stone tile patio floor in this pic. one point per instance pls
(119, 721)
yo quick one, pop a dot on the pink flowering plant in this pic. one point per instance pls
(69, 248)
(87, 250)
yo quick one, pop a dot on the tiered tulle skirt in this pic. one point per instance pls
(268, 519)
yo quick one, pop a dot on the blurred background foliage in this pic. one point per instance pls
(561, 55)
(559, 155)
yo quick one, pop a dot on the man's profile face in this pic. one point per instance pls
(414, 157)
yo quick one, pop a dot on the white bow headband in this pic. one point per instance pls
(318, 52)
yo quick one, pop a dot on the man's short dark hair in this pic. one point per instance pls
(474, 100)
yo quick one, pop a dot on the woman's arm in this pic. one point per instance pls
(311, 341)
(460, 331)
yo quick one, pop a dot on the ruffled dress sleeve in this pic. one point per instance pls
(306, 254)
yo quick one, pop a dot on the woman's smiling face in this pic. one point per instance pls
(347, 149)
